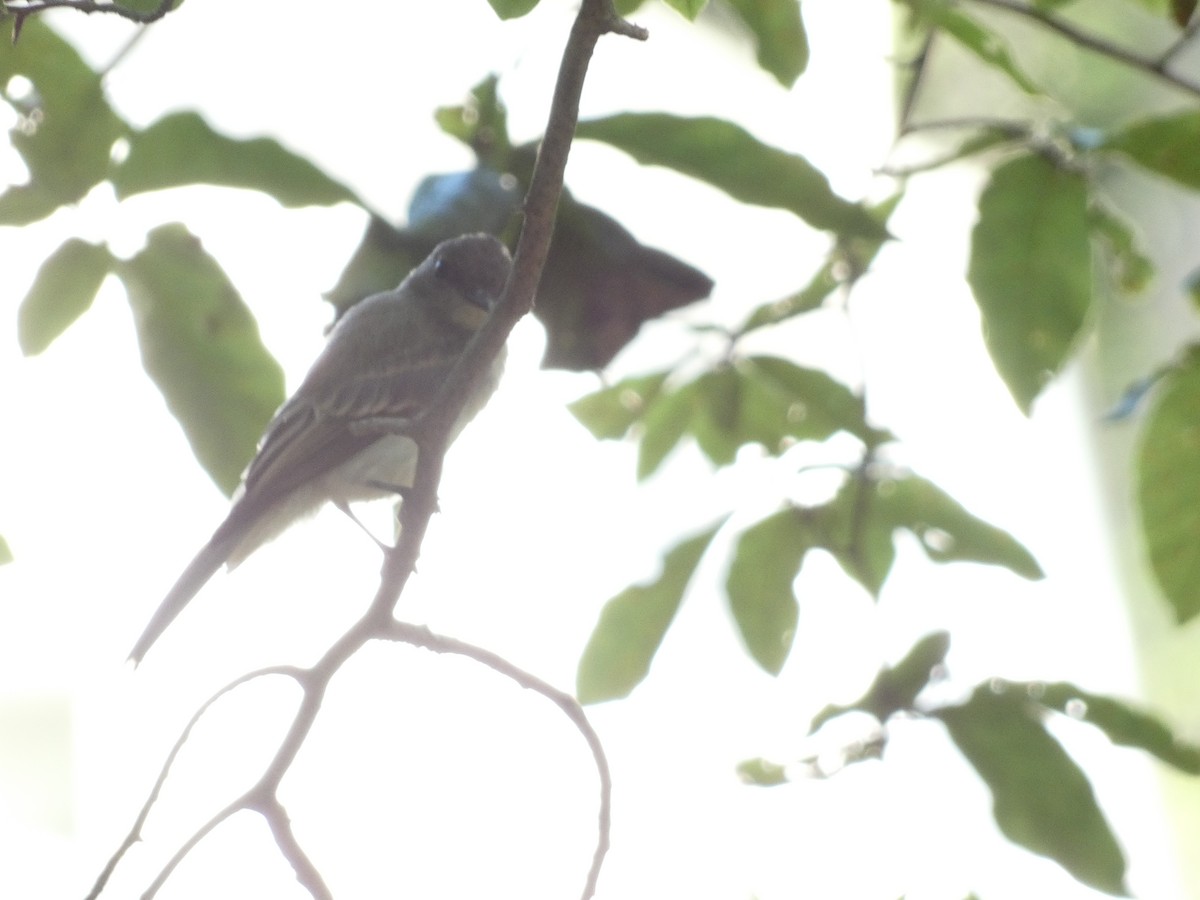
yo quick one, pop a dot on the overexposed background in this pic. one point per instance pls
(428, 776)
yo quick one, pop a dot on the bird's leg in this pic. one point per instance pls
(345, 507)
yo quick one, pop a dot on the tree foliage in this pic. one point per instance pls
(1048, 243)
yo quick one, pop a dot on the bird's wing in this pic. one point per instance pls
(312, 433)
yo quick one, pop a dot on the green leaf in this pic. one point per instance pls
(1040, 797)
(611, 412)
(808, 298)
(762, 772)
(1130, 268)
(1031, 270)
(949, 533)
(982, 42)
(729, 158)
(688, 8)
(182, 149)
(858, 533)
(67, 128)
(63, 290)
(717, 408)
(482, 124)
(808, 404)
(664, 425)
(779, 32)
(6, 555)
(1168, 488)
(200, 346)
(1123, 724)
(633, 623)
(765, 565)
(1165, 145)
(896, 688)
(512, 9)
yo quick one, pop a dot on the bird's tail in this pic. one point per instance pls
(194, 577)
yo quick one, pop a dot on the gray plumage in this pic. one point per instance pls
(385, 358)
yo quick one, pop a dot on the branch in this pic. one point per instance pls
(431, 431)
(21, 11)
(1154, 67)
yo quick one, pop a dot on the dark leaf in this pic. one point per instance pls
(729, 158)
(896, 688)
(1182, 12)
(383, 257)
(600, 285)
(633, 623)
(765, 565)
(1122, 723)
(1040, 797)
(1031, 270)
(1168, 491)
(1166, 145)
(63, 290)
(66, 131)
(779, 32)
(200, 346)
(182, 149)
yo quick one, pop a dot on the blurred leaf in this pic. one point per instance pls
(808, 403)
(729, 158)
(765, 565)
(779, 32)
(1168, 492)
(200, 346)
(66, 130)
(633, 623)
(808, 298)
(63, 290)
(481, 122)
(600, 285)
(611, 412)
(1031, 270)
(1131, 268)
(6, 555)
(688, 8)
(717, 403)
(384, 255)
(181, 149)
(1191, 284)
(947, 532)
(625, 7)
(985, 44)
(1041, 799)
(146, 6)
(1166, 145)
(445, 206)
(1182, 12)
(1123, 724)
(512, 9)
(665, 423)
(895, 688)
(858, 533)
(762, 773)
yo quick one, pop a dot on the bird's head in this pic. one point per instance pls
(465, 276)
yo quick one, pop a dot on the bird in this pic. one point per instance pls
(384, 361)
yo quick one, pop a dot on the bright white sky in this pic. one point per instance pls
(429, 776)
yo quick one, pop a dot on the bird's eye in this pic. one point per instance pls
(441, 268)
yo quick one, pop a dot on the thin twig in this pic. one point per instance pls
(1154, 67)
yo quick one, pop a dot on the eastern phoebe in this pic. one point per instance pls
(385, 360)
